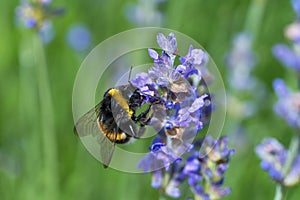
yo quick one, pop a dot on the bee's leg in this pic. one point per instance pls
(142, 118)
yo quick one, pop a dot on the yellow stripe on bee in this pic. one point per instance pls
(116, 94)
(111, 135)
(116, 136)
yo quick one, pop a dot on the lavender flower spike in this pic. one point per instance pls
(287, 56)
(273, 157)
(35, 15)
(288, 104)
(177, 109)
(241, 61)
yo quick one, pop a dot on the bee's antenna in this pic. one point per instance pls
(129, 74)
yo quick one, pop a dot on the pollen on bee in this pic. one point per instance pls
(116, 136)
(122, 136)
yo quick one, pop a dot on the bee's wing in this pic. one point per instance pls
(88, 125)
(106, 150)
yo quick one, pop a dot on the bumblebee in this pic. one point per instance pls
(115, 119)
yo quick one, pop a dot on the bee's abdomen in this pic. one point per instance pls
(108, 125)
(113, 132)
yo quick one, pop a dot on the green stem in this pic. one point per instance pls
(29, 120)
(293, 151)
(47, 123)
(162, 196)
(254, 17)
(292, 154)
(280, 192)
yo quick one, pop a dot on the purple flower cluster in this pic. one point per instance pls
(241, 61)
(203, 170)
(213, 159)
(283, 165)
(290, 56)
(177, 107)
(274, 157)
(35, 14)
(288, 105)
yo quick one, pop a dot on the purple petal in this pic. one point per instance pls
(30, 22)
(45, 2)
(191, 166)
(174, 76)
(181, 68)
(194, 179)
(153, 73)
(172, 43)
(157, 179)
(280, 88)
(265, 165)
(275, 174)
(197, 104)
(197, 55)
(169, 125)
(146, 90)
(286, 56)
(156, 146)
(271, 150)
(200, 192)
(147, 163)
(182, 60)
(163, 81)
(162, 40)
(287, 105)
(273, 156)
(183, 118)
(167, 44)
(191, 71)
(153, 54)
(221, 192)
(173, 191)
(221, 169)
(141, 80)
(296, 6)
(79, 37)
(208, 173)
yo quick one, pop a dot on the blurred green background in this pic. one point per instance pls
(32, 168)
